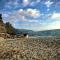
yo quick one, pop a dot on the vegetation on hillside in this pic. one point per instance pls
(9, 28)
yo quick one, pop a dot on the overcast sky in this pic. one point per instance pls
(31, 14)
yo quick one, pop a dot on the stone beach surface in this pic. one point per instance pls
(47, 48)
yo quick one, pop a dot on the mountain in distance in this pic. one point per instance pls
(55, 32)
(22, 31)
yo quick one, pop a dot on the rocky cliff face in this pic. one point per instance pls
(2, 25)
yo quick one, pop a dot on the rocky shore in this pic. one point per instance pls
(30, 49)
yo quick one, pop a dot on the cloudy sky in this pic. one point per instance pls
(31, 14)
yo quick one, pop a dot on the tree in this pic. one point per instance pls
(2, 25)
(1, 16)
(1, 21)
(9, 28)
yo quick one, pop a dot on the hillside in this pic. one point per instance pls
(2, 25)
(6, 27)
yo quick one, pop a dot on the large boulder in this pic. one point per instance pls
(2, 39)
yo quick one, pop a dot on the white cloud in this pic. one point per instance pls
(55, 16)
(16, 3)
(48, 9)
(25, 2)
(21, 11)
(48, 3)
(12, 4)
(57, 5)
(55, 25)
(30, 12)
(30, 2)
(34, 3)
(33, 12)
(22, 15)
(5, 15)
